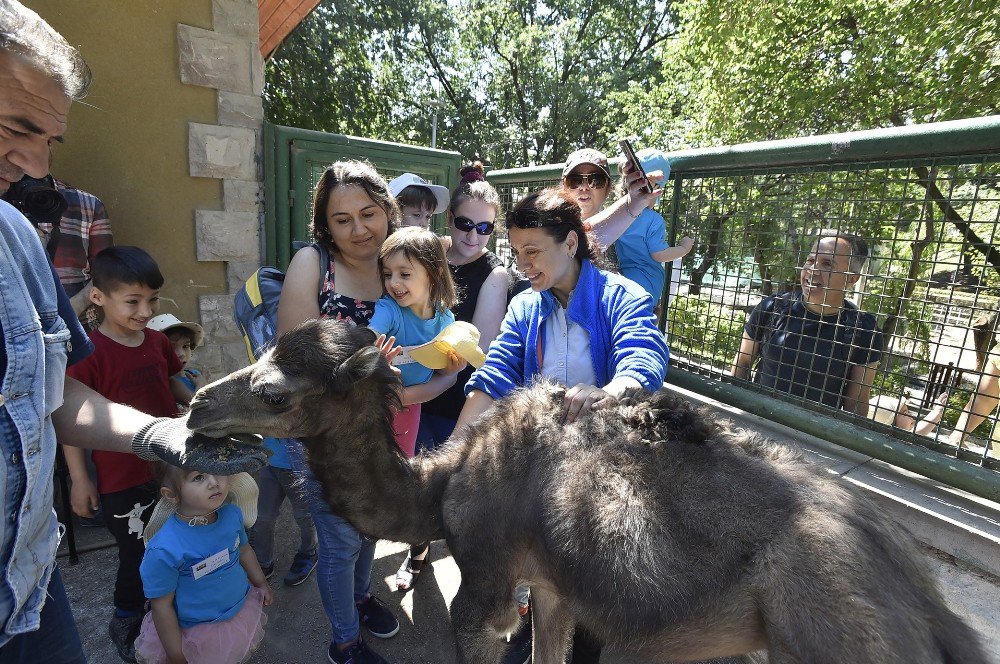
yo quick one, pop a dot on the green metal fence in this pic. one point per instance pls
(295, 160)
(927, 200)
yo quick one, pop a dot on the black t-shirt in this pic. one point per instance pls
(469, 279)
(808, 355)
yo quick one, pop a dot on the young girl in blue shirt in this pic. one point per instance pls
(203, 580)
(416, 307)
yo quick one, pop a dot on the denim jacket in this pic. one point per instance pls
(37, 343)
(617, 314)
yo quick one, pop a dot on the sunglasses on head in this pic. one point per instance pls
(594, 180)
(466, 224)
(531, 218)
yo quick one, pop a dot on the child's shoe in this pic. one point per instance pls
(377, 617)
(359, 653)
(302, 567)
(123, 633)
(268, 571)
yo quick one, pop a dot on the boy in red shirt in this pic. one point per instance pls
(135, 366)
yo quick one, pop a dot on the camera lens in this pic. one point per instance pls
(38, 200)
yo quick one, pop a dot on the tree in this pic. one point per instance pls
(516, 82)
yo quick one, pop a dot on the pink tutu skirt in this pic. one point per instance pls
(404, 426)
(228, 642)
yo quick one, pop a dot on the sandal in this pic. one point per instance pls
(409, 571)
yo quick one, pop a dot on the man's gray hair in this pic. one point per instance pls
(859, 248)
(24, 33)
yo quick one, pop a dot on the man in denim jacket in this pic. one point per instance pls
(40, 75)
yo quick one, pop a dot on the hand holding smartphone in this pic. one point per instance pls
(626, 147)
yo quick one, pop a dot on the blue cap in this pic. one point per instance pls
(651, 160)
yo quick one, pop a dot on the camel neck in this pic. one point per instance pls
(366, 481)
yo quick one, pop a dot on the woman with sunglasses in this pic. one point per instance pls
(585, 328)
(482, 281)
(587, 176)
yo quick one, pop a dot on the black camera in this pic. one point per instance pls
(38, 200)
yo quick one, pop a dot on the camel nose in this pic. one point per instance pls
(198, 402)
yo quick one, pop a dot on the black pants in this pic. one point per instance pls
(125, 512)
(586, 648)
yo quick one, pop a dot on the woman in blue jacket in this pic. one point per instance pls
(585, 328)
(580, 326)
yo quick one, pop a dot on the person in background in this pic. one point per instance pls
(642, 249)
(585, 328)
(816, 344)
(483, 282)
(418, 199)
(893, 411)
(982, 403)
(185, 338)
(353, 214)
(206, 589)
(416, 307)
(137, 367)
(40, 76)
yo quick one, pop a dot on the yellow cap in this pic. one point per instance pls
(459, 337)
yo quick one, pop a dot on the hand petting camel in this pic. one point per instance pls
(648, 522)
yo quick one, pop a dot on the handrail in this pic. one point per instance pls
(938, 139)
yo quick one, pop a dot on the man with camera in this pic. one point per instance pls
(40, 76)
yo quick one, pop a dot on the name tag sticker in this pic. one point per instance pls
(210, 564)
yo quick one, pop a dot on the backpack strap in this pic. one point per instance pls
(324, 264)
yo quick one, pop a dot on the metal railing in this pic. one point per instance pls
(926, 199)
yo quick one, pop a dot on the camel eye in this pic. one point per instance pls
(269, 398)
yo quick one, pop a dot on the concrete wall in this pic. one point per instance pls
(169, 139)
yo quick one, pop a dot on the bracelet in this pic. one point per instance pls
(628, 199)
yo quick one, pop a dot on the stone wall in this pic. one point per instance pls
(227, 59)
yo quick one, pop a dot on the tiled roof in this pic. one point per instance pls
(277, 20)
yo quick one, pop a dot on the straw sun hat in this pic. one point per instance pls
(242, 493)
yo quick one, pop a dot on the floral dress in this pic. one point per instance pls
(341, 307)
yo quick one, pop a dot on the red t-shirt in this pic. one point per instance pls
(138, 377)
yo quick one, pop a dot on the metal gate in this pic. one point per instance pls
(294, 160)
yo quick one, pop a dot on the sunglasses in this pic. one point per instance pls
(529, 218)
(466, 224)
(594, 180)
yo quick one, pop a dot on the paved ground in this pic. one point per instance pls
(297, 629)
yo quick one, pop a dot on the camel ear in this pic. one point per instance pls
(357, 367)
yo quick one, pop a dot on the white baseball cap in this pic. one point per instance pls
(166, 322)
(410, 180)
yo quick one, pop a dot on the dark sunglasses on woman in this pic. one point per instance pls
(466, 224)
(594, 180)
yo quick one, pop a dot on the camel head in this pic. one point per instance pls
(321, 375)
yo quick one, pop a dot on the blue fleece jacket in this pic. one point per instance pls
(616, 312)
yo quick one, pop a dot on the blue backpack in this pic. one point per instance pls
(255, 305)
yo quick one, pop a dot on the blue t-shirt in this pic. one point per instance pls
(808, 355)
(279, 452)
(393, 320)
(173, 558)
(646, 235)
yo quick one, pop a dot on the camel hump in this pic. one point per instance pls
(662, 416)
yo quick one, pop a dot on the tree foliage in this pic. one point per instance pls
(515, 82)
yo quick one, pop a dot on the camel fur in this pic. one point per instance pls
(658, 528)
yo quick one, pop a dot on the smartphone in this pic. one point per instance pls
(626, 147)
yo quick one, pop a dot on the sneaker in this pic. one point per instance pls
(359, 653)
(123, 633)
(377, 617)
(519, 644)
(302, 566)
(268, 571)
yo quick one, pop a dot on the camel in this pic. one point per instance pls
(650, 523)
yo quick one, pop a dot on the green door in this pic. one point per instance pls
(296, 159)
